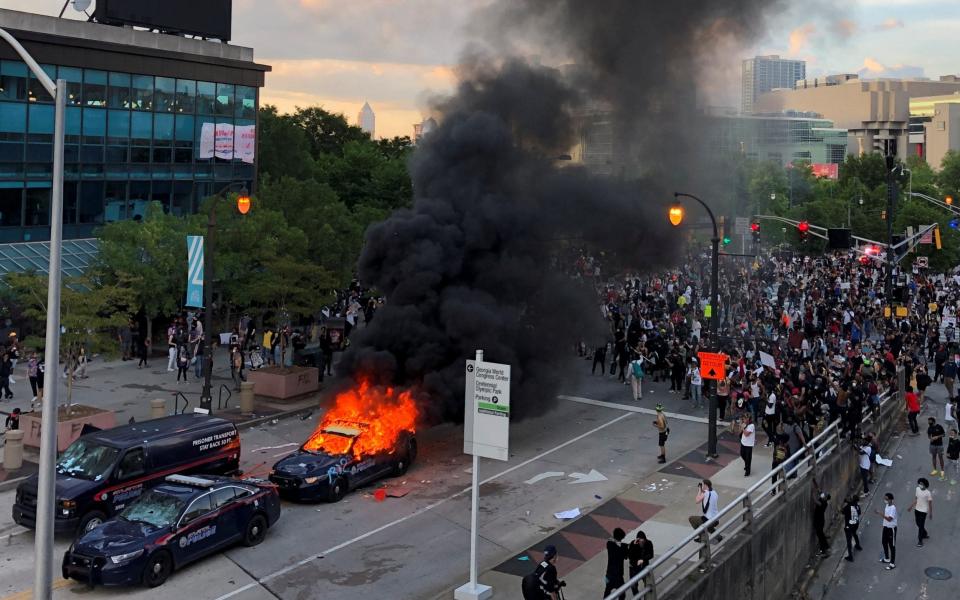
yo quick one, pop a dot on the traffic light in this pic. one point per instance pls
(804, 228)
(726, 240)
(755, 228)
(883, 215)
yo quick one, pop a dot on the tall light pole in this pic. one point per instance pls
(676, 216)
(243, 205)
(46, 488)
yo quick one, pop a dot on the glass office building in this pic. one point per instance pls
(142, 113)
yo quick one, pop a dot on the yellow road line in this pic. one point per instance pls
(58, 583)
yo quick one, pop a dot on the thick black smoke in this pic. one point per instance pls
(470, 265)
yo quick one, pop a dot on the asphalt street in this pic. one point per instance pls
(416, 546)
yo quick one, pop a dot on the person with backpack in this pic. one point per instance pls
(636, 378)
(543, 583)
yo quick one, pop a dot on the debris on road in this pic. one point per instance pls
(573, 513)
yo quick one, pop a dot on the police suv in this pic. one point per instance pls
(102, 472)
(175, 523)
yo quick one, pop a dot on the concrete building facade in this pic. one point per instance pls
(935, 127)
(876, 113)
(761, 74)
(150, 118)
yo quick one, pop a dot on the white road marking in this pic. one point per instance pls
(639, 409)
(416, 513)
(591, 477)
(545, 475)
(274, 447)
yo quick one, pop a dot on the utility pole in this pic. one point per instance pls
(891, 258)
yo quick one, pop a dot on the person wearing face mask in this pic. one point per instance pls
(922, 506)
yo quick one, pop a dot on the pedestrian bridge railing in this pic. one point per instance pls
(695, 553)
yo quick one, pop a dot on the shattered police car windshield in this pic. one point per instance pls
(155, 508)
(87, 460)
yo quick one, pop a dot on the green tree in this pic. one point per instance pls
(284, 146)
(151, 255)
(326, 132)
(949, 176)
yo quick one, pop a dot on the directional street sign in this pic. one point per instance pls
(487, 410)
(742, 225)
(712, 365)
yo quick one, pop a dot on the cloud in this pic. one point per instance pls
(874, 69)
(889, 24)
(800, 37)
(844, 28)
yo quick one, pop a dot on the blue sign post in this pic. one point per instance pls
(195, 271)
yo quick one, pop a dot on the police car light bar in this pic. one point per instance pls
(188, 480)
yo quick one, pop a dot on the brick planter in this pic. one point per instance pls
(283, 383)
(69, 425)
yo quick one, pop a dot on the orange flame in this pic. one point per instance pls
(382, 414)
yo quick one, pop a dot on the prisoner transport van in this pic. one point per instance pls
(102, 472)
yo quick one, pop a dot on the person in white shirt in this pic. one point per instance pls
(696, 384)
(709, 503)
(889, 537)
(863, 461)
(923, 504)
(748, 438)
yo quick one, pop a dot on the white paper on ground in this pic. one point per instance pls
(887, 462)
(573, 513)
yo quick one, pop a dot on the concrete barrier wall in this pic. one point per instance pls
(767, 563)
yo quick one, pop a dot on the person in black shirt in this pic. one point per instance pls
(617, 553)
(543, 583)
(851, 523)
(638, 557)
(935, 433)
(13, 420)
(820, 517)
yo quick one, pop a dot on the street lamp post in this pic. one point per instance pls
(714, 309)
(46, 487)
(243, 205)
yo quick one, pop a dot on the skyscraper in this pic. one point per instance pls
(764, 73)
(367, 120)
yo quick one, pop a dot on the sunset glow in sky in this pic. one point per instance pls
(395, 54)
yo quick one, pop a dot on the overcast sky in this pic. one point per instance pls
(395, 53)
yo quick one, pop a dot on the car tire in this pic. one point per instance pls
(159, 567)
(338, 489)
(90, 520)
(256, 531)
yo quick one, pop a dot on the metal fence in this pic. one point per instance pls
(695, 552)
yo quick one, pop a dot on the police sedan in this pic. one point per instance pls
(312, 475)
(175, 523)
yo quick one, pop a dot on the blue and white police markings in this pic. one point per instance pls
(195, 536)
(361, 466)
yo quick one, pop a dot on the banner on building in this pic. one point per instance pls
(227, 142)
(195, 271)
(828, 170)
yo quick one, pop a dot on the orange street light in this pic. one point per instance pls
(949, 200)
(243, 204)
(676, 215)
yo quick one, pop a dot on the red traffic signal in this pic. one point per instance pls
(755, 227)
(803, 226)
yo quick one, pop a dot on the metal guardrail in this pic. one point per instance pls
(691, 556)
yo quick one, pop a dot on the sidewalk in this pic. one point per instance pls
(918, 570)
(659, 505)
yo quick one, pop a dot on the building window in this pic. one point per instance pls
(182, 198)
(13, 80)
(115, 201)
(74, 78)
(35, 90)
(161, 193)
(164, 98)
(206, 98)
(186, 96)
(13, 128)
(246, 102)
(142, 92)
(224, 100)
(94, 88)
(38, 207)
(118, 93)
(91, 202)
(141, 128)
(70, 202)
(94, 125)
(11, 207)
(118, 126)
(139, 198)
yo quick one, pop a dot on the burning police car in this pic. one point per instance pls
(175, 523)
(340, 457)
